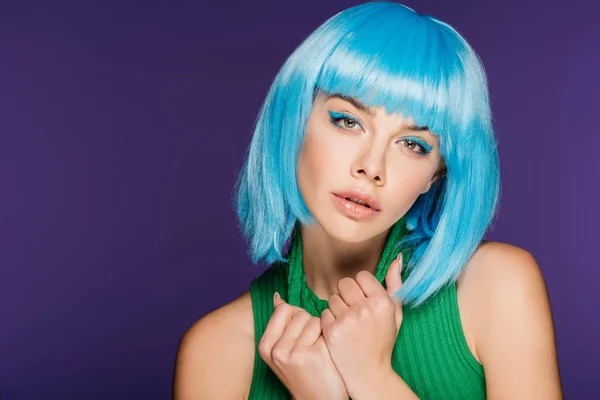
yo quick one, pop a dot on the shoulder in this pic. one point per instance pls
(500, 269)
(508, 312)
(499, 282)
(215, 359)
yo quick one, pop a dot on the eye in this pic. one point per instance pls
(416, 145)
(344, 121)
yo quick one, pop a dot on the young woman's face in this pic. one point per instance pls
(347, 147)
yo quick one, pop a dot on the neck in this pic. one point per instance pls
(326, 260)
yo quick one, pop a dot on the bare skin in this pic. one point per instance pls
(502, 298)
(504, 310)
(350, 146)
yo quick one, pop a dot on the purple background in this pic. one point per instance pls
(123, 127)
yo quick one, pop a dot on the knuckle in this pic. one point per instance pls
(264, 348)
(381, 303)
(279, 311)
(299, 315)
(283, 308)
(317, 326)
(298, 356)
(333, 332)
(363, 312)
(280, 354)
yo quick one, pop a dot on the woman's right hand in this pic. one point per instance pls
(294, 348)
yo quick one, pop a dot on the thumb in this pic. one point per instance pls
(393, 282)
(277, 300)
(291, 311)
(393, 279)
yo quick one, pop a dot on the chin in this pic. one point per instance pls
(348, 230)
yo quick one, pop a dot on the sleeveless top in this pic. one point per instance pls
(431, 353)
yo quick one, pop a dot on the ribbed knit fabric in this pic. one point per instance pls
(431, 354)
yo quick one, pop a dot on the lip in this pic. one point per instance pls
(353, 210)
(357, 194)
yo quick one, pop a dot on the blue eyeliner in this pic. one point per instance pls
(426, 147)
(337, 116)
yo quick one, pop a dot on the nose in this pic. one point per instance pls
(370, 164)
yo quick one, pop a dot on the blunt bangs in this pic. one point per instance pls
(406, 63)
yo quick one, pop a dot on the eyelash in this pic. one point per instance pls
(335, 119)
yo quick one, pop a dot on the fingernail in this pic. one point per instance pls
(399, 258)
(276, 299)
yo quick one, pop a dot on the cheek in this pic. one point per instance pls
(410, 178)
(319, 153)
(311, 160)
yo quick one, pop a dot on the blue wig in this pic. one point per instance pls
(386, 55)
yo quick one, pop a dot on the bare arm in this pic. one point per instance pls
(514, 333)
(215, 358)
(515, 338)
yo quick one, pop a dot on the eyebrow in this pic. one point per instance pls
(365, 109)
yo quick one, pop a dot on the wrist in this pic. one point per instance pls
(384, 384)
(368, 385)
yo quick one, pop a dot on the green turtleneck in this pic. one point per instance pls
(431, 354)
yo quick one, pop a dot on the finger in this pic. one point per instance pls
(310, 334)
(282, 314)
(294, 328)
(337, 306)
(369, 284)
(321, 344)
(278, 300)
(350, 292)
(327, 318)
(393, 278)
(393, 282)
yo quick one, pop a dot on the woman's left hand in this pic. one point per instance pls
(361, 326)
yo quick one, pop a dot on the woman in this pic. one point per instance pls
(370, 181)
